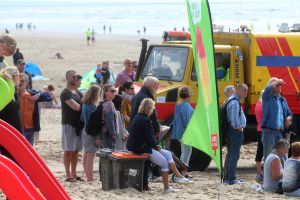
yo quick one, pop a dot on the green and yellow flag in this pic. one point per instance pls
(202, 131)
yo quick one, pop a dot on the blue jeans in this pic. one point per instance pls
(235, 141)
(186, 152)
(269, 139)
(29, 135)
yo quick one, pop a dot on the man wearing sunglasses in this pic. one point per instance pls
(71, 125)
(276, 116)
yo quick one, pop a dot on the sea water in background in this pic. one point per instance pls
(128, 16)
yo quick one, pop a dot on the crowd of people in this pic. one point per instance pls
(275, 172)
(129, 122)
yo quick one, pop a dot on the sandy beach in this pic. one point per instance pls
(40, 47)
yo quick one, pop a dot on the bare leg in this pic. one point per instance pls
(74, 160)
(258, 168)
(67, 162)
(175, 170)
(165, 177)
(84, 163)
(89, 166)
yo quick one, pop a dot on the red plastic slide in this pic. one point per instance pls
(31, 163)
(15, 183)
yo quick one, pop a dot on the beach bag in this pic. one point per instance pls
(94, 124)
(224, 123)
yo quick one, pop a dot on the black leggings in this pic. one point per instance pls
(260, 149)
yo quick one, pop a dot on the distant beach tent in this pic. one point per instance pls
(87, 79)
(35, 71)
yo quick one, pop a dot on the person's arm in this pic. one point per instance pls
(233, 110)
(73, 104)
(155, 123)
(110, 123)
(124, 112)
(268, 93)
(150, 135)
(276, 169)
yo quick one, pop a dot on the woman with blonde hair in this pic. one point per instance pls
(90, 144)
(142, 140)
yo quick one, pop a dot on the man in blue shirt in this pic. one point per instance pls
(237, 120)
(276, 115)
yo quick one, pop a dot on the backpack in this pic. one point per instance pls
(94, 124)
(224, 123)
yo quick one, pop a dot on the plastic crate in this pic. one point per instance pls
(127, 170)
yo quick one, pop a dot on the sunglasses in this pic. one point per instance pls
(279, 85)
(131, 88)
(112, 91)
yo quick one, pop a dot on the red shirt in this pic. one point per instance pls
(258, 115)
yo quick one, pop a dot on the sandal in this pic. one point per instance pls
(70, 180)
(79, 179)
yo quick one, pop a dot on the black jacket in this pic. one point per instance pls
(142, 137)
(11, 114)
(136, 102)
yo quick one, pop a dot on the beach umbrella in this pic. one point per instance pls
(33, 69)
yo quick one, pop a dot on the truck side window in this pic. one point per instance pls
(222, 62)
(222, 65)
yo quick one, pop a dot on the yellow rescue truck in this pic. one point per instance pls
(249, 58)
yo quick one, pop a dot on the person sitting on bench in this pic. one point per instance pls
(142, 140)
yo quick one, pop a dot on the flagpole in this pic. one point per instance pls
(220, 196)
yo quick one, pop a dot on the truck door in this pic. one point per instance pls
(227, 72)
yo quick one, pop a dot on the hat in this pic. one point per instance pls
(21, 61)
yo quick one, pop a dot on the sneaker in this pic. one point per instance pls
(259, 178)
(233, 182)
(170, 190)
(181, 180)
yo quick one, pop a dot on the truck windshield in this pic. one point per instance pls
(166, 63)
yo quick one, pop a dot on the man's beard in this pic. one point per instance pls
(73, 83)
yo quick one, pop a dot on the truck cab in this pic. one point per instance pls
(173, 64)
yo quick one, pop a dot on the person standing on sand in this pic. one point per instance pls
(89, 100)
(276, 116)
(71, 125)
(88, 36)
(104, 28)
(93, 35)
(259, 151)
(237, 119)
